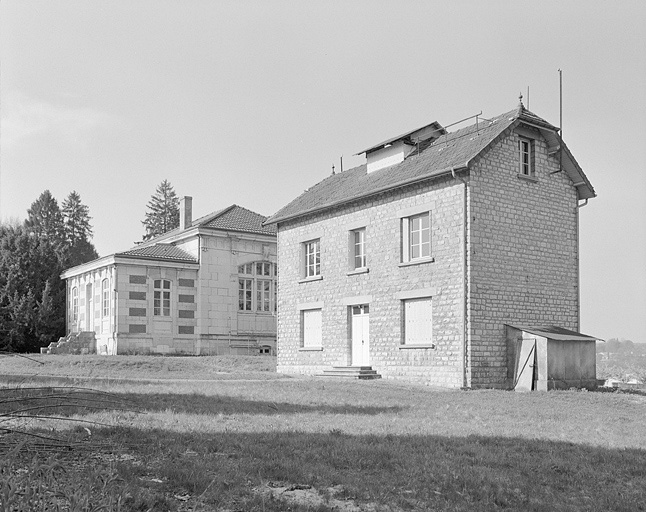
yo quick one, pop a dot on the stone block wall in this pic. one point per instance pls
(523, 253)
(381, 287)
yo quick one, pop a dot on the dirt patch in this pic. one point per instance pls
(308, 496)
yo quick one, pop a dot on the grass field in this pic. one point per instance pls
(241, 437)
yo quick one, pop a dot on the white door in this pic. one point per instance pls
(360, 336)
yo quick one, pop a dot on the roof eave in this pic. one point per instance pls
(403, 183)
(154, 258)
(570, 166)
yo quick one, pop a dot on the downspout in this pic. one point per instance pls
(464, 281)
(578, 269)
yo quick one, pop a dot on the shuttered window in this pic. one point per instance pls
(418, 323)
(312, 328)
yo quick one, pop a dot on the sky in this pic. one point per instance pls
(251, 102)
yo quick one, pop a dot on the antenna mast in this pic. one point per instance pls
(561, 119)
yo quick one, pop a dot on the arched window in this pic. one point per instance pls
(257, 287)
(161, 306)
(75, 304)
(105, 298)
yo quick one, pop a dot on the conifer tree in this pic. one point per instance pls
(32, 295)
(163, 214)
(44, 218)
(77, 231)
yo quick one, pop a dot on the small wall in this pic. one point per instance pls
(570, 364)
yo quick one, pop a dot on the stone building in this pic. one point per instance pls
(418, 262)
(208, 287)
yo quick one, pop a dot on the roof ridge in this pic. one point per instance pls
(210, 216)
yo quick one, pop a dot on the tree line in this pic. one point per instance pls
(35, 252)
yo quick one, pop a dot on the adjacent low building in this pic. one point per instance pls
(418, 262)
(208, 287)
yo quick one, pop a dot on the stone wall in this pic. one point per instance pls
(523, 253)
(522, 268)
(381, 287)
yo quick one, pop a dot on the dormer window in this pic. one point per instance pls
(397, 149)
(525, 156)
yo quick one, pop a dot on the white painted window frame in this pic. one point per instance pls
(525, 156)
(253, 294)
(75, 304)
(105, 298)
(162, 294)
(407, 229)
(312, 258)
(358, 259)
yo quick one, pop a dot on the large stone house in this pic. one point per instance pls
(207, 287)
(426, 262)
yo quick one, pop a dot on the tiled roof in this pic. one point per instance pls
(452, 150)
(237, 218)
(159, 252)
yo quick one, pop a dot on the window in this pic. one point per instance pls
(263, 295)
(358, 248)
(105, 298)
(312, 258)
(526, 156)
(75, 304)
(257, 287)
(161, 302)
(311, 328)
(418, 321)
(416, 235)
(245, 294)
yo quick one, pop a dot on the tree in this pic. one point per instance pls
(44, 218)
(163, 214)
(77, 231)
(32, 295)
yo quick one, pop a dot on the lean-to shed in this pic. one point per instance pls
(550, 357)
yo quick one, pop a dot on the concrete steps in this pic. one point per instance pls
(75, 343)
(351, 372)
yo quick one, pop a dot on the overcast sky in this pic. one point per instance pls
(251, 102)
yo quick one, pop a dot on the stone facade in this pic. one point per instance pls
(504, 250)
(383, 286)
(180, 294)
(523, 253)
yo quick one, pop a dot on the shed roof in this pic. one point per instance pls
(554, 332)
(431, 159)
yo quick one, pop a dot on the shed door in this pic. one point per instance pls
(525, 372)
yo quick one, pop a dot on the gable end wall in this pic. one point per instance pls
(523, 253)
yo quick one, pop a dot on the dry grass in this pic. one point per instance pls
(275, 444)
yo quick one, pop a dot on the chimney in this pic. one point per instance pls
(185, 212)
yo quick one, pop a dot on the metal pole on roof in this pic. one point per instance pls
(561, 119)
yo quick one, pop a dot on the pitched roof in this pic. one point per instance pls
(452, 151)
(237, 218)
(158, 251)
(231, 218)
